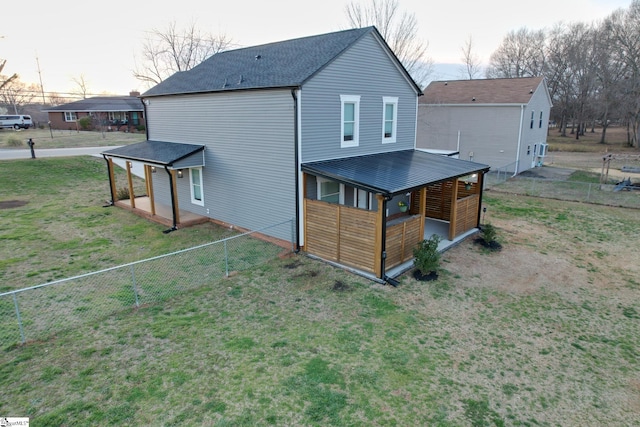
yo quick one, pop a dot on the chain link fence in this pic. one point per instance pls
(37, 312)
(601, 194)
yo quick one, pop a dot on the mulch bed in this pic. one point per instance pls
(492, 246)
(10, 204)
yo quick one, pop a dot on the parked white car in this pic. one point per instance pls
(16, 122)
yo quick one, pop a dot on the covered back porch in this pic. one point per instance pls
(415, 195)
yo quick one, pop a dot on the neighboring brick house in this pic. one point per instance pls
(116, 113)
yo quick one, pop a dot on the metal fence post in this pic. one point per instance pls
(135, 290)
(226, 259)
(293, 235)
(15, 303)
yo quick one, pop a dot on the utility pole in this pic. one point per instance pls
(40, 76)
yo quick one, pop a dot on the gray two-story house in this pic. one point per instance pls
(320, 130)
(499, 122)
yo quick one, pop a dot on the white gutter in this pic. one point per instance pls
(300, 231)
(519, 140)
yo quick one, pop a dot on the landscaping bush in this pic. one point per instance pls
(123, 193)
(427, 258)
(85, 123)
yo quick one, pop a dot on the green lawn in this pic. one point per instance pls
(44, 138)
(544, 333)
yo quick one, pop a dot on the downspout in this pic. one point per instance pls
(383, 253)
(297, 169)
(519, 140)
(173, 202)
(146, 123)
(113, 196)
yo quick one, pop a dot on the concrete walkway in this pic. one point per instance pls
(13, 154)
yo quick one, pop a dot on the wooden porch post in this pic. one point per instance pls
(454, 210)
(112, 180)
(132, 197)
(377, 255)
(148, 173)
(423, 210)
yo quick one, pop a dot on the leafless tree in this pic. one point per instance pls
(400, 31)
(172, 49)
(624, 27)
(521, 54)
(56, 99)
(5, 80)
(17, 94)
(82, 86)
(472, 67)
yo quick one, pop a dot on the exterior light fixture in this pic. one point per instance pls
(153, 169)
(180, 174)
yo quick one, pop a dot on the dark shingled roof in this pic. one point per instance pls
(281, 64)
(101, 104)
(157, 152)
(393, 173)
(489, 91)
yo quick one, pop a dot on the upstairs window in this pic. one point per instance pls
(350, 123)
(389, 119)
(540, 122)
(532, 118)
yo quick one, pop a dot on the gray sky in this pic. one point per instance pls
(101, 41)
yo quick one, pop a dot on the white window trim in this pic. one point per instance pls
(394, 128)
(355, 199)
(70, 116)
(355, 99)
(193, 199)
(319, 181)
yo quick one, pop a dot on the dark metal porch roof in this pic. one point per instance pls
(155, 152)
(393, 173)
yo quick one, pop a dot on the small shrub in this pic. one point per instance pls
(123, 193)
(140, 128)
(427, 257)
(14, 141)
(489, 233)
(488, 237)
(84, 123)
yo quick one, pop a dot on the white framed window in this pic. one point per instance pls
(350, 120)
(330, 191)
(389, 119)
(361, 199)
(195, 176)
(540, 123)
(533, 113)
(70, 116)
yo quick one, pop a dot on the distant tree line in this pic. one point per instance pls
(592, 70)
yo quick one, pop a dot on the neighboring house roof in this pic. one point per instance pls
(393, 173)
(485, 91)
(287, 63)
(157, 152)
(101, 104)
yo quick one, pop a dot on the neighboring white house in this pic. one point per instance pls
(499, 122)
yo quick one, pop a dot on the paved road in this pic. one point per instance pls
(12, 154)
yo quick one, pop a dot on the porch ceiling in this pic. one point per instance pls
(156, 152)
(395, 172)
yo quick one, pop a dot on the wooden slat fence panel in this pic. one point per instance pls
(340, 233)
(467, 214)
(401, 239)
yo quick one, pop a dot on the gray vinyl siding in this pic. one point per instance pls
(488, 134)
(366, 70)
(249, 172)
(532, 138)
